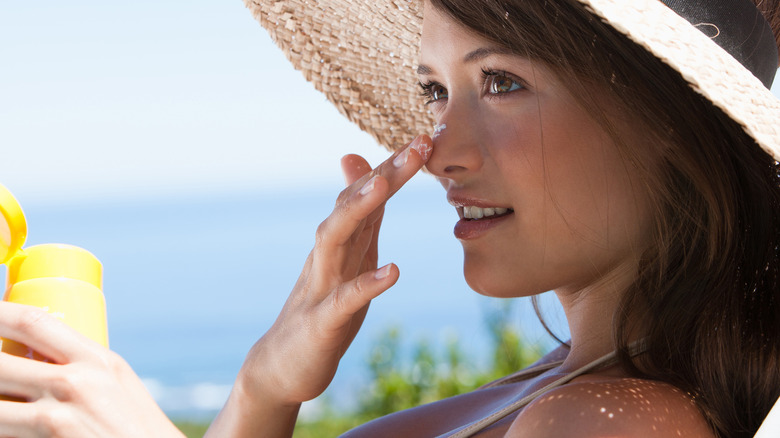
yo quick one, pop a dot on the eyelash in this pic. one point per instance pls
(429, 94)
(427, 91)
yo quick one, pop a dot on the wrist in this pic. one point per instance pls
(253, 388)
(251, 411)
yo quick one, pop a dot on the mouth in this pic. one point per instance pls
(476, 221)
(474, 213)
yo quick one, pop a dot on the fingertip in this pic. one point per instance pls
(350, 158)
(353, 167)
(355, 162)
(388, 271)
(423, 145)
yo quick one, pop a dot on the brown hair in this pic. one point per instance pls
(706, 293)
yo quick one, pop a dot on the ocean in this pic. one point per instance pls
(192, 283)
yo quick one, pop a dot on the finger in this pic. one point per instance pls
(396, 171)
(354, 167)
(363, 248)
(372, 252)
(22, 377)
(16, 419)
(34, 419)
(348, 216)
(353, 296)
(43, 333)
(405, 163)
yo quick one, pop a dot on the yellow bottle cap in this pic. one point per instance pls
(40, 261)
(13, 226)
(55, 260)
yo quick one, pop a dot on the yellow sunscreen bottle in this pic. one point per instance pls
(64, 280)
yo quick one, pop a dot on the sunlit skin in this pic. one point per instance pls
(514, 139)
(518, 139)
(579, 222)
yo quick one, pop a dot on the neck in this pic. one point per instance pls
(590, 312)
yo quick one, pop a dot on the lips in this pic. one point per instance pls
(477, 217)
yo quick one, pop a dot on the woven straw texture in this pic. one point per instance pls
(710, 71)
(363, 56)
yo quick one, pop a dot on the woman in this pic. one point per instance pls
(578, 162)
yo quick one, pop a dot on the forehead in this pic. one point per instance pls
(444, 38)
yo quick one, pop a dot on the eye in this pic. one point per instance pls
(500, 82)
(503, 84)
(433, 91)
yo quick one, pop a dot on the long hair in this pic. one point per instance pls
(706, 295)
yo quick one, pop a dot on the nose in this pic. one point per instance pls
(457, 152)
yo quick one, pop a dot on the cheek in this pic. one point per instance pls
(514, 140)
(571, 180)
(580, 208)
(595, 190)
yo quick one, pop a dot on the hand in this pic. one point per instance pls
(85, 391)
(297, 358)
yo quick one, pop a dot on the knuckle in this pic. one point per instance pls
(342, 295)
(51, 419)
(343, 205)
(64, 385)
(359, 285)
(337, 300)
(320, 235)
(44, 422)
(342, 197)
(113, 362)
(345, 209)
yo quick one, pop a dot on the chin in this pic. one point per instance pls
(491, 283)
(485, 278)
(491, 279)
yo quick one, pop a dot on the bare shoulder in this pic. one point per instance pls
(593, 406)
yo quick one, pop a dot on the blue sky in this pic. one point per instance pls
(156, 98)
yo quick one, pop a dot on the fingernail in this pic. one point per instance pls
(368, 186)
(383, 272)
(401, 159)
(422, 147)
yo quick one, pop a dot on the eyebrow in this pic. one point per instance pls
(471, 57)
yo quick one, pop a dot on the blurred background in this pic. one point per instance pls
(173, 140)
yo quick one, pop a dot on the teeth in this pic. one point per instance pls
(471, 212)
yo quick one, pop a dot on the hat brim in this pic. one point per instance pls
(363, 57)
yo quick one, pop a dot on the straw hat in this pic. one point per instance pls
(363, 56)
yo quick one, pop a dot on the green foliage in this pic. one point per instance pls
(327, 426)
(192, 429)
(398, 384)
(510, 351)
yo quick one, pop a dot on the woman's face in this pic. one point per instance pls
(558, 204)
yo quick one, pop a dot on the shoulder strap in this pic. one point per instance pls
(517, 404)
(528, 373)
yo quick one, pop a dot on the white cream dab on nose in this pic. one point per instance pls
(438, 129)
